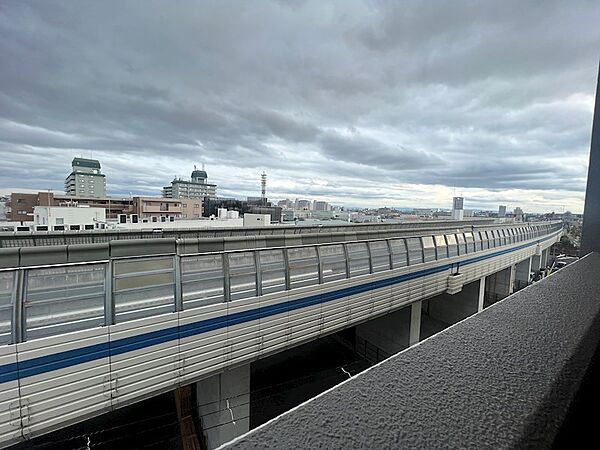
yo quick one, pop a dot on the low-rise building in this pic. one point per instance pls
(68, 217)
(158, 209)
(20, 205)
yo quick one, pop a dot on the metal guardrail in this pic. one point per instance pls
(48, 299)
(13, 239)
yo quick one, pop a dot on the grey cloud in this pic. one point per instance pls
(475, 95)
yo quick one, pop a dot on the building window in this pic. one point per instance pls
(60, 221)
(184, 205)
(196, 206)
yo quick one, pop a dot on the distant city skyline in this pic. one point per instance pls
(355, 103)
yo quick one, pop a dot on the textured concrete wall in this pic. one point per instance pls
(223, 403)
(503, 379)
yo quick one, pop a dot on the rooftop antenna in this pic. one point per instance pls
(202, 165)
(263, 185)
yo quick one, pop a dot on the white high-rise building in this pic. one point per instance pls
(458, 212)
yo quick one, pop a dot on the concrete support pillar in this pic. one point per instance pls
(223, 403)
(384, 336)
(481, 294)
(511, 282)
(536, 262)
(522, 274)
(415, 323)
(544, 258)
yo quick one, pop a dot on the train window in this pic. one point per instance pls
(202, 280)
(452, 246)
(63, 299)
(380, 256)
(358, 258)
(399, 255)
(415, 250)
(333, 262)
(303, 267)
(7, 285)
(242, 275)
(272, 271)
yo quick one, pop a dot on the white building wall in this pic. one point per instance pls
(257, 220)
(63, 215)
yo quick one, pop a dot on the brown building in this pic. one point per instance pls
(20, 206)
(156, 209)
(191, 208)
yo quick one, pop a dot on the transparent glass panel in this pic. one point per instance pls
(143, 287)
(304, 270)
(462, 244)
(511, 236)
(477, 241)
(272, 271)
(399, 254)
(452, 247)
(380, 256)
(242, 275)
(499, 237)
(415, 250)
(503, 237)
(485, 240)
(123, 267)
(7, 288)
(428, 248)
(63, 299)
(490, 238)
(202, 280)
(470, 242)
(517, 234)
(333, 262)
(358, 258)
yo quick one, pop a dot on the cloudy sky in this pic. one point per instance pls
(374, 103)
